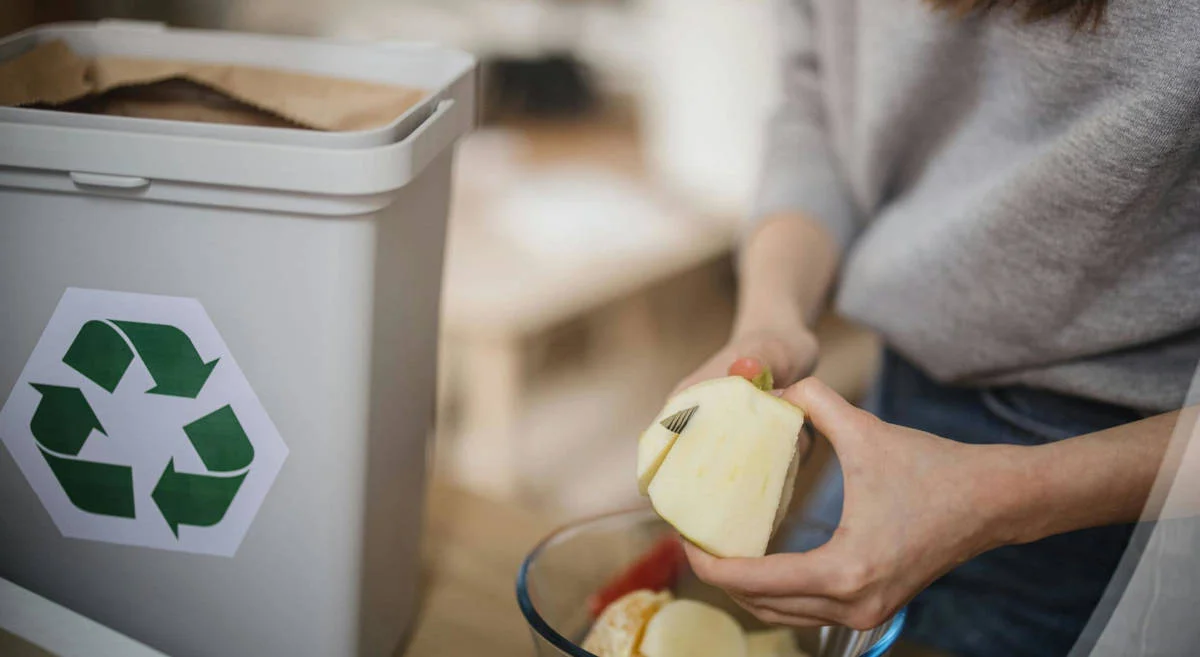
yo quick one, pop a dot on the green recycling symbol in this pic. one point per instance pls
(64, 420)
(182, 456)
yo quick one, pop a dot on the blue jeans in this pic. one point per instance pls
(1028, 600)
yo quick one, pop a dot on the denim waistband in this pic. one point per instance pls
(1046, 415)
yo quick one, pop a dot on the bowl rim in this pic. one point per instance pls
(543, 629)
(528, 609)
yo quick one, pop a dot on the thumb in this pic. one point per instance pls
(839, 420)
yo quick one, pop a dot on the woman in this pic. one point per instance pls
(1009, 193)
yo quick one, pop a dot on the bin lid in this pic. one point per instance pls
(439, 72)
(60, 151)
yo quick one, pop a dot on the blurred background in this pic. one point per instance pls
(596, 210)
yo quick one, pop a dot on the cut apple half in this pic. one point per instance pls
(686, 628)
(773, 643)
(724, 478)
(658, 438)
(618, 630)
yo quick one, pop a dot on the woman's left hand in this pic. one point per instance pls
(915, 506)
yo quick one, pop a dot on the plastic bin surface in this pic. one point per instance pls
(217, 367)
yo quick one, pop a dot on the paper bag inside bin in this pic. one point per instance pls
(51, 76)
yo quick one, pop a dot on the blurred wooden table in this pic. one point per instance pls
(473, 547)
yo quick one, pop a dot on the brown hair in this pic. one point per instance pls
(1083, 14)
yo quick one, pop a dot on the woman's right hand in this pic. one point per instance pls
(789, 350)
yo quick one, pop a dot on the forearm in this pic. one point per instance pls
(786, 268)
(1096, 479)
(806, 213)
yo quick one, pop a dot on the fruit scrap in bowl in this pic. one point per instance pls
(654, 624)
(719, 464)
(619, 630)
(657, 570)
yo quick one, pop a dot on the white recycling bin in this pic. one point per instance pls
(217, 354)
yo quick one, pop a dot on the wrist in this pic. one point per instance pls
(758, 316)
(1011, 493)
(787, 267)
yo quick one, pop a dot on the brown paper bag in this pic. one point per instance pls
(52, 77)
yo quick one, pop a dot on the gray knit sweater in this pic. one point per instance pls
(1018, 203)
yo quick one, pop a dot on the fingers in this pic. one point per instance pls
(817, 612)
(705, 373)
(807, 573)
(806, 589)
(788, 355)
(773, 617)
(747, 367)
(832, 415)
(795, 611)
(782, 357)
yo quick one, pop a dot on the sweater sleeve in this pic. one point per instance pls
(799, 171)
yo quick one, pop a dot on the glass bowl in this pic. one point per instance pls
(557, 578)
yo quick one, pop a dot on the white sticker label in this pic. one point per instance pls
(134, 424)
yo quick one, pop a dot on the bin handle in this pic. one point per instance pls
(85, 179)
(429, 139)
(84, 155)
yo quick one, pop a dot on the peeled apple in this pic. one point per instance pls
(618, 630)
(724, 477)
(772, 643)
(686, 628)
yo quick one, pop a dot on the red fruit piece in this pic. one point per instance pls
(656, 570)
(754, 371)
